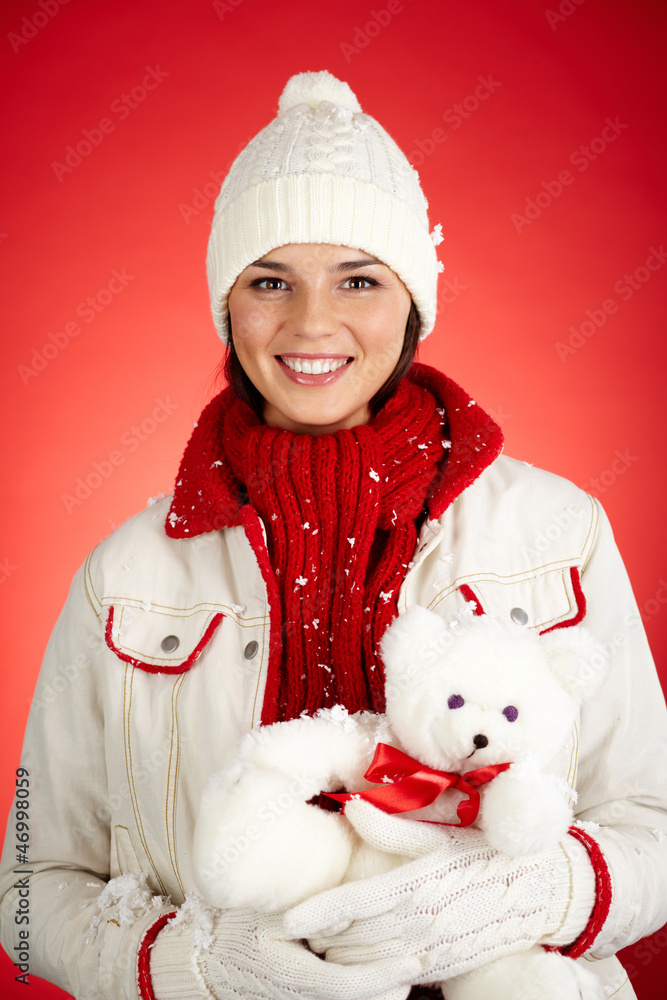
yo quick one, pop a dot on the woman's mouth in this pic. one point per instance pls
(313, 369)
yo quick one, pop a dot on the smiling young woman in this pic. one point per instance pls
(333, 483)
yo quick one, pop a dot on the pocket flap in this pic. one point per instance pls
(157, 640)
(548, 601)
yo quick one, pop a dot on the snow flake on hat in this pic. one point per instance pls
(436, 235)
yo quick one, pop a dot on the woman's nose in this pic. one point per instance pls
(312, 315)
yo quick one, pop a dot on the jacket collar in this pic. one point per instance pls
(207, 496)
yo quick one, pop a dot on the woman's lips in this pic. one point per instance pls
(289, 364)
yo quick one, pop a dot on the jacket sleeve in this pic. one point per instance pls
(622, 781)
(50, 894)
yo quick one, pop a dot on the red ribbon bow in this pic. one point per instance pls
(408, 784)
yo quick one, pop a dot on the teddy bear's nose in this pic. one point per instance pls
(480, 741)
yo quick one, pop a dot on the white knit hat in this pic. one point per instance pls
(322, 172)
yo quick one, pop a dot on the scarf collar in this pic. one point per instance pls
(208, 495)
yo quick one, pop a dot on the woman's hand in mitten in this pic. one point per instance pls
(243, 954)
(456, 906)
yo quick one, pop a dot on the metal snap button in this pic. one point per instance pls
(251, 650)
(170, 643)
(519, 616)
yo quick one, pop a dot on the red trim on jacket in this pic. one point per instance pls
(603, 897)
(144, 981)
(471, 597)
(575, 576)
(152, 668)
(254, 533)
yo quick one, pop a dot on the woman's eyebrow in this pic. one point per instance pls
(345, 265)
(350, 265)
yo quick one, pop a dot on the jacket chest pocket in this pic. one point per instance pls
(159, 640)
(543, 601)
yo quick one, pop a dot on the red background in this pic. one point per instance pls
(140, 200)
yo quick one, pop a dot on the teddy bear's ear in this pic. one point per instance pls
(414, 641)
(577, 659)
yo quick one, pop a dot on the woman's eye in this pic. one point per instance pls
(271, 284)
(359, 282)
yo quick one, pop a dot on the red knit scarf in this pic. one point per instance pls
(339, 512)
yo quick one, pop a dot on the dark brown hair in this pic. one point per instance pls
(233, 373)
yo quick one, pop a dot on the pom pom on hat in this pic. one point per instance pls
(313, 88)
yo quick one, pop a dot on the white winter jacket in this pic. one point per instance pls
(158, 662)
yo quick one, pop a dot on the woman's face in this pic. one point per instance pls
(318, 330)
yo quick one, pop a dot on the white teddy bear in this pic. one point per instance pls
(460, 697)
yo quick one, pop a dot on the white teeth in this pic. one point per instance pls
(321, 366)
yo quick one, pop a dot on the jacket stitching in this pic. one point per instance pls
(127, 703)
(174, 755)
(89, 589)
(574, 758)
(593, 530)
(178, 612)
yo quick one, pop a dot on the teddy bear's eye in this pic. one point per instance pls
(511, 713)
(455, 701)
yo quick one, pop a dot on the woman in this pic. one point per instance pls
(332, 486)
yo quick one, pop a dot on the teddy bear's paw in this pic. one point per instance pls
(330, 750)
(531, 975)
(258, 844)
(523, 816)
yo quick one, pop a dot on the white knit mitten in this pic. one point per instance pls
(459, 905)
(243, 954)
